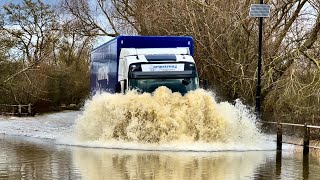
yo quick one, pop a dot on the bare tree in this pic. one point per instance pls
(225, 44)
(226, 48)
(94, 17)
(53, 57)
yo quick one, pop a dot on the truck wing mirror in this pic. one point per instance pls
(121, 86)
(124, 86)
(118, 87)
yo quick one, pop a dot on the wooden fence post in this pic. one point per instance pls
(29, 109)
(279, 136)
(19, 110)
(306, 139)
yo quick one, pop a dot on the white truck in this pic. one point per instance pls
(144, 63)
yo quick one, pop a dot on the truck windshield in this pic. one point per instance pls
(182, 85)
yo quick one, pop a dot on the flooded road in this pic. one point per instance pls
(41, 148)
(34, 158)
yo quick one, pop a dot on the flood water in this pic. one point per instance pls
(92, 145)
(35, 158)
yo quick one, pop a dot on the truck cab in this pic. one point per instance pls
(146, 69)
(144, 63)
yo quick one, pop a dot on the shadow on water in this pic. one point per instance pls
(27, 158)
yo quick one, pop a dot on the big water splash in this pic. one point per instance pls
(191, 122)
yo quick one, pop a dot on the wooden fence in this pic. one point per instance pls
(306, 138)
(17, 110)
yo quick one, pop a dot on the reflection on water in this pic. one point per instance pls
(33, 159)
(26, 158)
(119, 164)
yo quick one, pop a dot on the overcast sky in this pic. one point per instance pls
(3, 2)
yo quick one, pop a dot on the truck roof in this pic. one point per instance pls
(150, 42)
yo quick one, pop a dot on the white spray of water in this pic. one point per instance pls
(167, 121)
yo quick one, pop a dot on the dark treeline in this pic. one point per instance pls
(54, 63)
